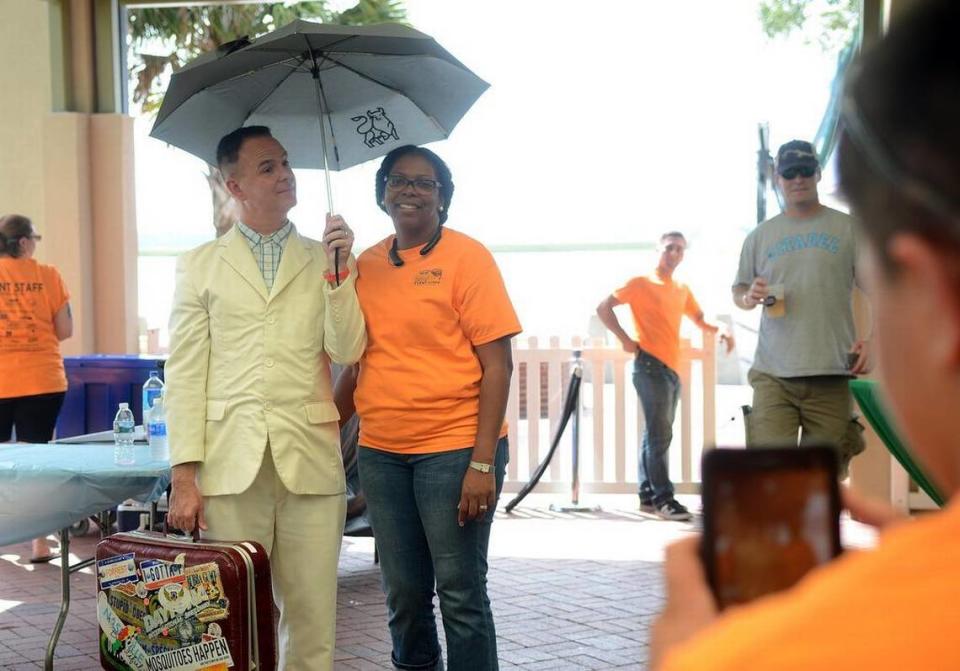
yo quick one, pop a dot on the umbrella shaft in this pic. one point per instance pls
(323, 138)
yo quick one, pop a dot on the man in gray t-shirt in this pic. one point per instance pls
(801, 265)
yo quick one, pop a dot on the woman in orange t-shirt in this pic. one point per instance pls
(431, 394)
(34, 318)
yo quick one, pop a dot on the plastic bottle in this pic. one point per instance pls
(123, 431)
(152, 388)
(157, 431)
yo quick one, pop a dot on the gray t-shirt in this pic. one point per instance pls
(815, 260)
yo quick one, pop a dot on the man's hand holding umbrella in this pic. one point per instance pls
(337, 242)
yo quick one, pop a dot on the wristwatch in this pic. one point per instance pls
(480, 466)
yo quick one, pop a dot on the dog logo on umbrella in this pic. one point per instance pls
(375, 127)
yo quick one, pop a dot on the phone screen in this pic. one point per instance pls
(769, 517)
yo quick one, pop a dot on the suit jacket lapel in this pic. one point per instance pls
(295, 258)
(236, 252)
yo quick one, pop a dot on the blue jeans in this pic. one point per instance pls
(658, 387)
(412, 502)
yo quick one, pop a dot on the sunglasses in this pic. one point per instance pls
(803, 171)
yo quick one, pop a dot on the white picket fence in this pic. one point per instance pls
(611, 420)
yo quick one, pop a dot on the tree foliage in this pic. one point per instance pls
(830, 23)
(164, 39)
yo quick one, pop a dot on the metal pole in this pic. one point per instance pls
(575, 440)
(574, 505)
(64, 597)
(315, 71)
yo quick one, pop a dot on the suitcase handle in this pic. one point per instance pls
(187, 538)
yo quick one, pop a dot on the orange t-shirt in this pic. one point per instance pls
(890, 608)
(419, 384)
(657, 305)
(31, 294)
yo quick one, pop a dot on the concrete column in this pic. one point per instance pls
(896, 8)
(25, 82)
(68, 241)
(89, 202)
(114, 224)
(872, 472)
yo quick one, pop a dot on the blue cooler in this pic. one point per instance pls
(97, 384)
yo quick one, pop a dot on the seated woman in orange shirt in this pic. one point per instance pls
(431, 393)
(34, 318)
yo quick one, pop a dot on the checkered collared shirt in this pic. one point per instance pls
(267, 249)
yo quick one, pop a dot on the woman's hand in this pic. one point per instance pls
(690, 607)
(872, 512)
(477, 494)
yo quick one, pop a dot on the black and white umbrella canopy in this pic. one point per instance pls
(374, 87)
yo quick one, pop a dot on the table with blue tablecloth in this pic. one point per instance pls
(46, 488)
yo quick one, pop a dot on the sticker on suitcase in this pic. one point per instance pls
(120, 638)
(166, 621)
(157, 573)
(200, 596)
(117, 570)
(211, 654)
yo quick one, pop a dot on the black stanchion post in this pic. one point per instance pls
(570, 405)
(574, 505)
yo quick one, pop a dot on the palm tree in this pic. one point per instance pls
(181, 34)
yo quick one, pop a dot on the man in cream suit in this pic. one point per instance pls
(257, 317)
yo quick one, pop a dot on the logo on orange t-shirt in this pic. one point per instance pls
(431, 276)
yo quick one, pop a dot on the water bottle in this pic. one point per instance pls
(152, 388)
(123, 429)
(157, 431)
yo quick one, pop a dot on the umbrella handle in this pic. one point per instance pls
(336, 265)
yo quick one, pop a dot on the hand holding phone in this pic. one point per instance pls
(769, 517)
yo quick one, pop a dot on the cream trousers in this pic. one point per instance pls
(302, 535)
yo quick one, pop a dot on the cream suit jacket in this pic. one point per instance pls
(246, 365)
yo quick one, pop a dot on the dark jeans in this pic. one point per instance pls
(412, 501)
(658, 387)
(34, 417)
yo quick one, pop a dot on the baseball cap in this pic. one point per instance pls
(796, 154)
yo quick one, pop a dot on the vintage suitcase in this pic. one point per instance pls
(166, 603)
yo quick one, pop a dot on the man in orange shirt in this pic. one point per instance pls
(893, 607)
(657, 304)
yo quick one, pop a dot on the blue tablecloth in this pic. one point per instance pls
(47, 487)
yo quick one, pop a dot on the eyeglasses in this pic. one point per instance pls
(804, 171)
(34, 236)
(422, 185)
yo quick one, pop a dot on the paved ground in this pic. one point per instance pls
(569, 591)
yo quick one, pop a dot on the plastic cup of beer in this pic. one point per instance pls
(774, 305)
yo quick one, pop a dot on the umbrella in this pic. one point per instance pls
(366, 89)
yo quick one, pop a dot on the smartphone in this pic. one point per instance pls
(769, 516)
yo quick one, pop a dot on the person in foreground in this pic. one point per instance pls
(431, 394)
(34, 318)
(257, 317)
(657, 303)
(894, 607)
